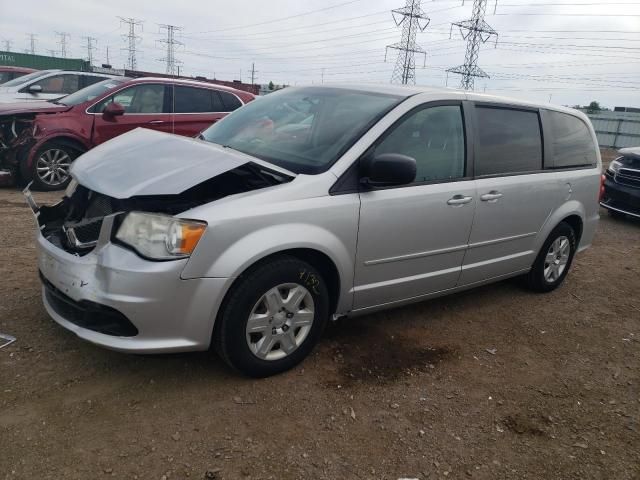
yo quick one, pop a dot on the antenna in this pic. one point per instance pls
(475, 32)
(132, 40)
(63, 43)
(413, 20)
(171, 42)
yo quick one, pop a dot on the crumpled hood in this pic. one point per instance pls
(147, 162)
(31, 107)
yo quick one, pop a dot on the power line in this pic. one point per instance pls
(132, 40)
(173, 64)
(32, 43)
(91, 46)
(63, 43)
(413, 19)
(475, 32)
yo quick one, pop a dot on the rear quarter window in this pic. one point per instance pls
(192, 100)
(571, 142)
(508, 141)
(230, 101)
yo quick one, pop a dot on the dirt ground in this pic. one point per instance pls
(493, 383)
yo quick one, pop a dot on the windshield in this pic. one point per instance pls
(26, 78)
(91, 92)
(304, 130)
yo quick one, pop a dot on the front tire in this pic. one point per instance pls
(273, 317)
(554, 260)
(50, 168)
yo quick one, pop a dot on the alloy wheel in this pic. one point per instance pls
(556, 260)
(52, 167)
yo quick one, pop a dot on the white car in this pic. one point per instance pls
(47, 85)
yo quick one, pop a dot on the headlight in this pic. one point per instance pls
(160, 237)
(614, 166)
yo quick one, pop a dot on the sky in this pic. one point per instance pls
(564, 51)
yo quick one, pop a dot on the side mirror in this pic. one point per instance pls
(388, 170)
(113, 109)
(35, 88)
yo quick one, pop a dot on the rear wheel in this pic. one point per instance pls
(51, 165)
(273, 317)
(554, 260)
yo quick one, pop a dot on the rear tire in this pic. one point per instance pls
(554, 259)
(272, 318)
(50, 168)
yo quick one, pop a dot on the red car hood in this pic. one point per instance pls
(31, 107)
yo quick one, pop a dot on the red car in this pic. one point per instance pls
(39, 141)
(9, 73)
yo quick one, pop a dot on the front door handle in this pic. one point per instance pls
(459, 200)
(156, 122)
(492, 196)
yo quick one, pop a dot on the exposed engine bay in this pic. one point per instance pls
(16, 136)
(74, 224)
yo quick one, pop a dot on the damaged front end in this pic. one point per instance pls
(75, 224)
(16, 138)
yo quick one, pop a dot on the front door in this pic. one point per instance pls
(515, 197)
(146, 105)
(412, 239)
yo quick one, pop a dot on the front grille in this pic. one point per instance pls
(89, 315)
(629, 177)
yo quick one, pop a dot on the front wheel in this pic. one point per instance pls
(273, 317)
(554, 260)
(50, 168)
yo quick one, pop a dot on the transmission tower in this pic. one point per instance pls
(90, 46)
(7, 45)
(171, 42)
(132, 40)
(63, 43)
(32, 43)
(475, 32)
(413, 20)
(253, 73)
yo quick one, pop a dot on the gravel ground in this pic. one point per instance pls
(492, 383)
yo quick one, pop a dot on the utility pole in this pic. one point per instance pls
(91, 46)
(63, 43)
(132, 40)
(475, 31)
(32, 43)
(322, 76)
(108, 55)
(413, 20)
(171, 42)
(253, 73)
(7, 45)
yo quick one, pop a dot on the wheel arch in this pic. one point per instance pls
(571, 212)
(73, 141)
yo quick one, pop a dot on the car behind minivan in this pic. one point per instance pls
(313, 203)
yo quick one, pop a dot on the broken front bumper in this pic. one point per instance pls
(114, 298)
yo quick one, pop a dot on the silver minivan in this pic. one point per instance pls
(311, 204)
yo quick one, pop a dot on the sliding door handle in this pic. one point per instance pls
(492, 196)
(459, 200)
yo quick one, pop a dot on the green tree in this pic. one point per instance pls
(594, 107)
(271, 85)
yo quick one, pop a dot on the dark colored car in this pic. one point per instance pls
(9, 73)
(39, 141)
(621, 194)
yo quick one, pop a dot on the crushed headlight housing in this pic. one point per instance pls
(160, 237)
